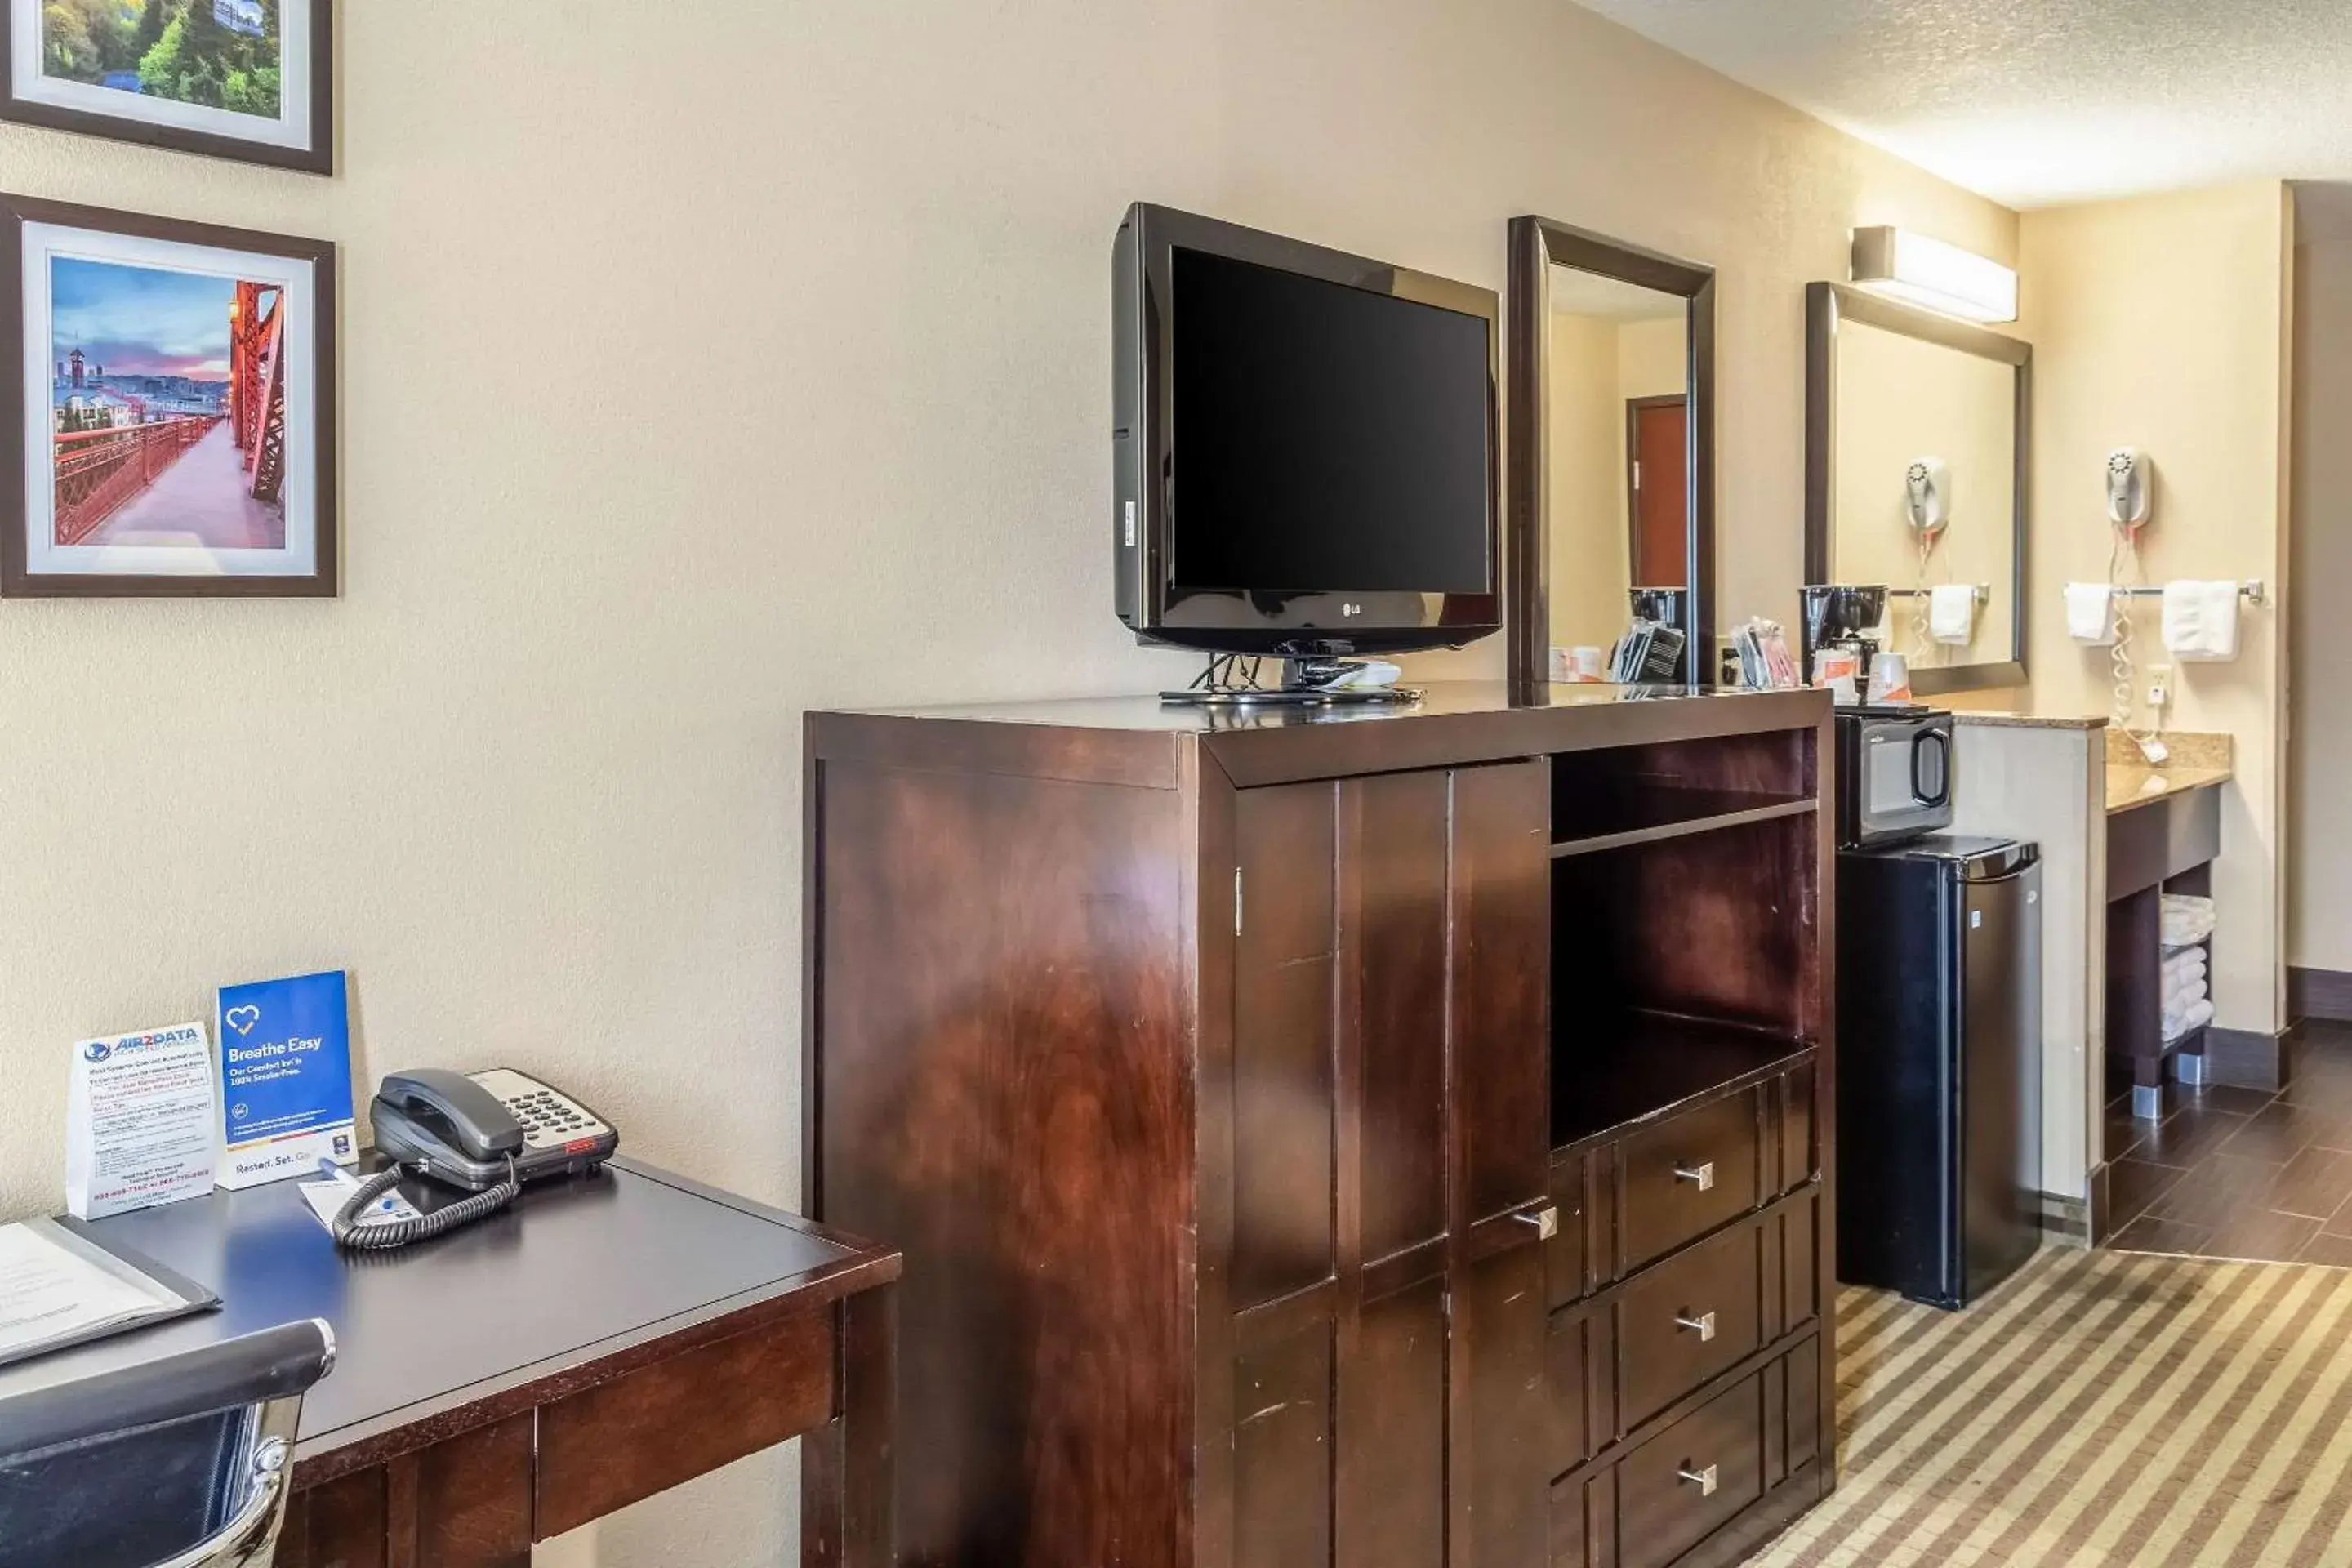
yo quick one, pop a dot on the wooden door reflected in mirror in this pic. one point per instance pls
(1612, 449)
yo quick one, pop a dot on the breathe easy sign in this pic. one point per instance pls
(286, 1079)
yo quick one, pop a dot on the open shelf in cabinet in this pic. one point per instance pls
(1671, 813)
(1614, 1070)
(1629, 796)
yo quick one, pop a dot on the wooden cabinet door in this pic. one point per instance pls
(1391, 969)
(1500, 1061)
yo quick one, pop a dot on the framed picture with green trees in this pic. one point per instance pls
(252, 79)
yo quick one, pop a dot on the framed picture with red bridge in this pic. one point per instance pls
(170, 424)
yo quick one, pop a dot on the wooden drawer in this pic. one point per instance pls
(1673, 1491)
(1663, 1511)
(1621, 1357)
(1688, 1174)
(1762, 1435)
(714, 1404)
(1622, 1205)
(1693, 1317)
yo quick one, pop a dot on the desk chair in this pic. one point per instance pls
(181, 1462)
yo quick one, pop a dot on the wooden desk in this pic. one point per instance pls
(603, 1339)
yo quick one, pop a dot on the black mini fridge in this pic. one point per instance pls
(1939, 1064)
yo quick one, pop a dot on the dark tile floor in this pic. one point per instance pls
(2242, 1172)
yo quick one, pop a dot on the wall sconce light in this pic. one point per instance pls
(1933, 274)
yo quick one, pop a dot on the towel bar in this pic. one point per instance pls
(2252, 589)
(1983, 593)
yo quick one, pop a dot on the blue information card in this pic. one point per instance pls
(286, 1079)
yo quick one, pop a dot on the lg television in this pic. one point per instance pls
(1304, 445)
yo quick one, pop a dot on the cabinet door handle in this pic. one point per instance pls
(1705, 1481)
(1546, 1220)
(1701, 1176)
(1702, 1325)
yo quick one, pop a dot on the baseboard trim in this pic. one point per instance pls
(2319, 994)
(2247, 1059)
(2067, 1219)
(2098, 1212)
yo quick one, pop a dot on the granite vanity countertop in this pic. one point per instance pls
(2136, 783)
(2004, 718)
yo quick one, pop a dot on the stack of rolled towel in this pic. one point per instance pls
(2188, 999)
(2188, 919)
(2186, 1005)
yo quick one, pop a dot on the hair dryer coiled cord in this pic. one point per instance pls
(2122, 570)
(349, 1232)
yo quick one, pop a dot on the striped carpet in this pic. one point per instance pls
(2101, 1408)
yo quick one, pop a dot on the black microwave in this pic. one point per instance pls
(1894, 775)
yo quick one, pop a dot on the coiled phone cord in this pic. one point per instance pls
(349, 1232)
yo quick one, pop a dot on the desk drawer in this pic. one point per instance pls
(1688, 1174)
(683, 1417)
(1689, 1318)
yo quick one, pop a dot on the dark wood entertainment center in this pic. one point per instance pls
(1356, 1137)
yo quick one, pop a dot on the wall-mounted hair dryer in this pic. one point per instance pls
(1927, 495)
(2131, 487)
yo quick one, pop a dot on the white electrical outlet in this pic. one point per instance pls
(2159, 686)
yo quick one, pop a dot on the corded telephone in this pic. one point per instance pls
(488, 1131)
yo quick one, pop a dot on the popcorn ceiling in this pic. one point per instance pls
(2038, 102)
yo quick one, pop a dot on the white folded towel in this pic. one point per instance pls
(2200, 620)
(2186, 918)
(2178, 982)
(2091, 613)
(2179, 994)
(1952, 613)
(2196, 1017)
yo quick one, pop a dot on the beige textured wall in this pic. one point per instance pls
(1900, 399)
(2319, 884)
(2160, 323)
(1652, 360)
(1586, 458)
(706, 364)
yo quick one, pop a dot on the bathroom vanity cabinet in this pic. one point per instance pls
(1340, 1137)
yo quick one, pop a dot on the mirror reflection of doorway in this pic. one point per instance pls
(1657, 448)
(1618, 452)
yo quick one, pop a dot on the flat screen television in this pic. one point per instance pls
(1304, 445)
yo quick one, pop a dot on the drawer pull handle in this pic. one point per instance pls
(1705, 1481)
(1702, 1176)
(1546, 1220)
(1703, 1326)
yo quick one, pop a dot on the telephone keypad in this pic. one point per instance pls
(548, 1120)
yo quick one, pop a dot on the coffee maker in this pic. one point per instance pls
(1844, 616)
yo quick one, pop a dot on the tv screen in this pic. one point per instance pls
(1325, 436)
(1303, 444)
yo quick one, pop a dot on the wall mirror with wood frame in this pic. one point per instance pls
(1611, 489)
(1916, 440)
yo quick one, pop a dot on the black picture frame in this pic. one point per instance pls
(17, 579)
(1829, 305)
(318, 158)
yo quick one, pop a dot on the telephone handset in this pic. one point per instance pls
(487, 1132)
